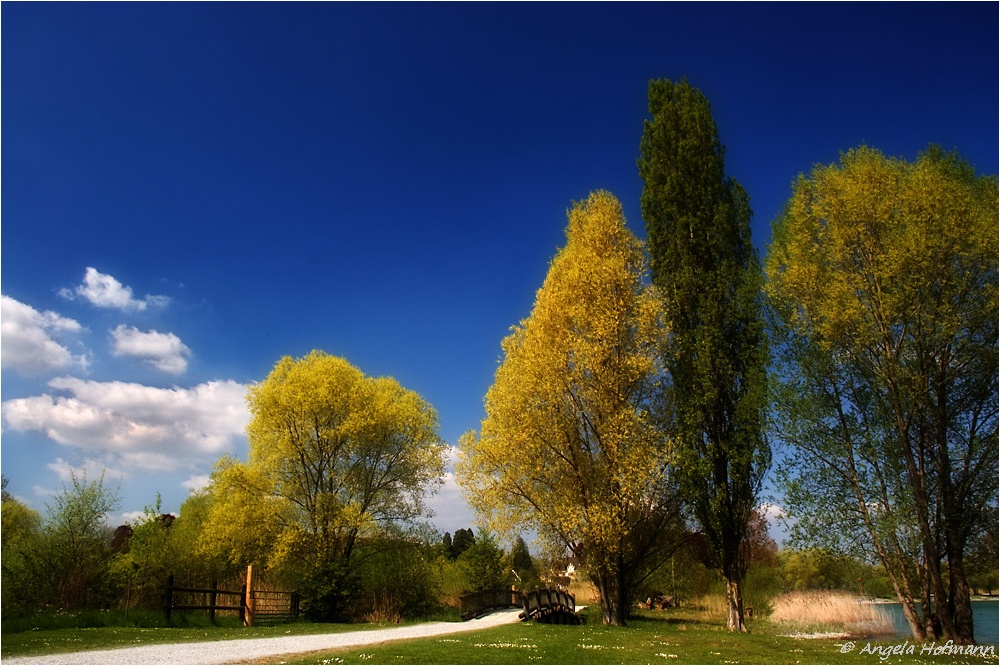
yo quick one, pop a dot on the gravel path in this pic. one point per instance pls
(248, 649)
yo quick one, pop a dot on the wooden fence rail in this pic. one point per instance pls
(270, 606)
(210, 594)
(255, 606)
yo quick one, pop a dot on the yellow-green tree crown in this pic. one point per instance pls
(334, 455)
(569, 446)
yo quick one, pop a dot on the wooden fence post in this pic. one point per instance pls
(168, 597)
(212, 596)
(249, 600)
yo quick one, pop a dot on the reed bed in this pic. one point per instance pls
(712, 604)
(831, 612)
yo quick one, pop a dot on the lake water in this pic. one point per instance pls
(985, 620)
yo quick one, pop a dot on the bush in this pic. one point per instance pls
(683, 577)
(84, 619)
(397, 581)
(64, 560)
(328, 591)
(483, 564)
(763, 583)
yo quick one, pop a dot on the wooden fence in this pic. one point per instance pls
(255, 602)
(266, 603)
(273, 606)
(177, 598)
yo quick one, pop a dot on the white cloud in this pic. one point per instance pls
(28, 345)
(771, 511)
(91, 470)
(141, 426)
(131, 518)
(164, 351)
(105, 291)
(196, 483)
(149, 461)
(778, 521)
(451, 512)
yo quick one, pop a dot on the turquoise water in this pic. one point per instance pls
(985, 619)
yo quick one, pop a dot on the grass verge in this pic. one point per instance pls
(676, 636)
(653, 637)
(55, 641)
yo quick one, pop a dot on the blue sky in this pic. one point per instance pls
(191, 191)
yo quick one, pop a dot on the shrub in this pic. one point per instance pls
(328, 592)
(397, 582)
(483, 563)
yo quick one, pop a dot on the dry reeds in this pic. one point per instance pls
(832, 611)
(584, 592)
(712, 604)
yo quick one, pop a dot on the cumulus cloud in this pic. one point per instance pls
(90, 469)
(164, 351)
(771, 511)
(132, 518)
(450, 510)
(196, 483)
(29, 346)
(143, 427)
(105, 291)
(778, 522)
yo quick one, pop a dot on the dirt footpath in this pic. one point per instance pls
(250, 649)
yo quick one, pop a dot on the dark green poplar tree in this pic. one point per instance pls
(715, 352)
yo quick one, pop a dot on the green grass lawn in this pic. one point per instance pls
(53, 641)
(671, 637)
(652, 637)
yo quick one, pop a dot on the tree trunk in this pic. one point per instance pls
(931, 625)
(960, 603)
(734, 604)
(613, 596)
(901, 585)
(612, 614)
(943, 620)
(918, 630)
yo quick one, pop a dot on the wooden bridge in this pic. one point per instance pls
(550, 606)
(545, 605)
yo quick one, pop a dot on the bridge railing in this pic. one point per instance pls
(550, 606)
(543, 605)
(475, 604)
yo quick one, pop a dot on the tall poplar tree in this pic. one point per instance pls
(715, 352)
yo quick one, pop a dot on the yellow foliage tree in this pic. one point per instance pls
(334, 456)
(569, 446)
